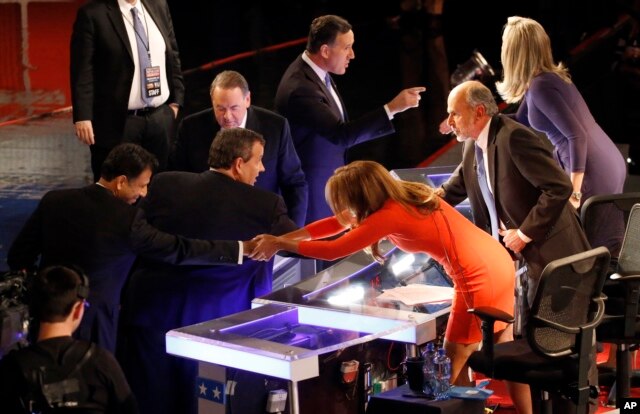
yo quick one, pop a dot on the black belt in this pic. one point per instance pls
(142, 111)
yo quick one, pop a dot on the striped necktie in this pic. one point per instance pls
(144, 55)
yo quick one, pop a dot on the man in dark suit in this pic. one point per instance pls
(126, 80)
(99, 230)
(516, 190)
(231, 108)
(320, 126)
(529, 189)
(221, 202)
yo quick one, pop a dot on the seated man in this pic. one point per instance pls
(220, 203)
(59, 371)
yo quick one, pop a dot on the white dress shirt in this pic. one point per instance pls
(157, 48)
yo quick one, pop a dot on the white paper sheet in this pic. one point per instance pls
(417, 293)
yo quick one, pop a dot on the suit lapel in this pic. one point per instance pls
(156, 19)
(313, 77)
(116, 18)
(344, 108)
(252, 120)
(491, 154)
(472, 185)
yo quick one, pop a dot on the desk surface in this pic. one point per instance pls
(395, 401)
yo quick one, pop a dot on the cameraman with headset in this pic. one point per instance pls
(58, 371)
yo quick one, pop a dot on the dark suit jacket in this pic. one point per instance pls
(102, 66)
(92, 229)
(282, 174)
(209, 204)
(530, 189)
(320, 136)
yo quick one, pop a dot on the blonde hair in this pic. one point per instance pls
(362, 188)
(526, 53)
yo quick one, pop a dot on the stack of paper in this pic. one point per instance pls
(417, 293)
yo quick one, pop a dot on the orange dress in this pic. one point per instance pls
(480, 267)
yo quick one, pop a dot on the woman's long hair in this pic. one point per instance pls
(526, 53)
(362, 188)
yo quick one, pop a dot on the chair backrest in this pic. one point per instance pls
(629, 260)
(568, 292)
(604, 217)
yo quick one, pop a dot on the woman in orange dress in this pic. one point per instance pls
(366, 199)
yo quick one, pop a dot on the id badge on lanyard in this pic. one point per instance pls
(152, 81)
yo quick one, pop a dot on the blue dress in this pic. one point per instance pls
(557, 108)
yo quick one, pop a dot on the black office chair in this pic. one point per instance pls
(596, 215)
(554, 356)
(621, 324)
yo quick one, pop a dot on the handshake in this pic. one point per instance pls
(261, 247)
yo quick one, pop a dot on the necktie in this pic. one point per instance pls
(143, 53)
(486, 194)
(334, 94)
(327, 81)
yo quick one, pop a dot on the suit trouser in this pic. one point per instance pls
(152, 130)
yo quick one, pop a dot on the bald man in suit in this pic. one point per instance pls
(530, 190)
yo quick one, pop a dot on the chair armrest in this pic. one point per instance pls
(489, 316)
(632, 298)
(595, 321)
(487, 313)
(624, 278)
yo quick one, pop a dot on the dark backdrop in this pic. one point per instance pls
(212, 30)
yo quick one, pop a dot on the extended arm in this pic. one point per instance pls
(371, 230)
(268, 245)
(151, 242)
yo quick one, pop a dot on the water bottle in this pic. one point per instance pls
(442, 371)
(429, 378)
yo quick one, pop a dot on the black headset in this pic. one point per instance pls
(83, 288)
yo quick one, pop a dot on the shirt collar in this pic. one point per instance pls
(317, 69)
(483, 138)
(243, 123)
(125, 7)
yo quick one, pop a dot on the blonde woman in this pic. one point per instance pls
(552, 104)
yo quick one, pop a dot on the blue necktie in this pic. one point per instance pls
(329, 84)
(143, 55)
(486, 194)
(327, 81)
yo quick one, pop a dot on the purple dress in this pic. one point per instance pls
(557, 108)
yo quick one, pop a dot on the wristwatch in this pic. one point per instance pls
(576, 195)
